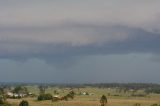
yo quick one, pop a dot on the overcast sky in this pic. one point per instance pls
(80, 41)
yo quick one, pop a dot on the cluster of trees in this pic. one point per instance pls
(135, 86)
(45, 97)
(20, 89)
(126, 86)
(153, 90)
(70, 95)
(42, 89)
(48, 96)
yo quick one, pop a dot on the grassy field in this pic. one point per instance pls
(86, 102)
(115, 98)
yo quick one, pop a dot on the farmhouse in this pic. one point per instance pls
(15, 95)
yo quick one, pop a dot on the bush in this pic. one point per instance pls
(45, 97)
(24, 103)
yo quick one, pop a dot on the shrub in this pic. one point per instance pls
(24, 103)
(45, 97)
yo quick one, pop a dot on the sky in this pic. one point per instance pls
(80, 41)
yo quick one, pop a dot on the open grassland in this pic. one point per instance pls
(87, 102)
(115, 98)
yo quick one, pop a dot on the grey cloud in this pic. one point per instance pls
(134, 41)
(79, 37)
(139, 14)
(51, 29)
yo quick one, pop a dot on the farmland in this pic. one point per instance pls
(115, 96)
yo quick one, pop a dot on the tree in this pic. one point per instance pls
(103, 100)
(20, 89)
(71, 94)
(42, 89)
(56, 92)
(45, 97)
(24, 103)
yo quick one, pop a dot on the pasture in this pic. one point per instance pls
(114, 96)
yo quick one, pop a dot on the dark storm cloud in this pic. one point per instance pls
(107, 40)
(50, 29)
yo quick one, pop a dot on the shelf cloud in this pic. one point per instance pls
(52, 27)
(56, 31)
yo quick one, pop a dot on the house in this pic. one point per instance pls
(15, 95)
(10, 94)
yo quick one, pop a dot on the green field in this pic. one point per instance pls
(114, 96)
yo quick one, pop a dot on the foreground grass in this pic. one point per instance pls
(80, 101)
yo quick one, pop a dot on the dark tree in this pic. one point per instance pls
(103, 100)
(20, 89)
(42, 89)
(24, 103)
(56, 92)
(45, 97)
